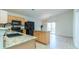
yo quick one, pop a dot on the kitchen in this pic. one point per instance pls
(13, 38)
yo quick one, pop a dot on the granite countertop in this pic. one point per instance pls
(12, 41)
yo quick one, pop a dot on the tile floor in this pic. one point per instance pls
(57, 42)
(41, 46)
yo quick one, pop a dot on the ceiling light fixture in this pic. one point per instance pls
(33, 9)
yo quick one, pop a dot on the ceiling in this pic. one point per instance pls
(38, 13)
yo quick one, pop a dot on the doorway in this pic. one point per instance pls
(52, 28)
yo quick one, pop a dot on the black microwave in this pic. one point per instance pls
(16, 22)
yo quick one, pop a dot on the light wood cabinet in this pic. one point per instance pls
(10, 18)
(24, 31)
(42, 36)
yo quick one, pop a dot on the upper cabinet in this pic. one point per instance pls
(3, 17)
(10, 18)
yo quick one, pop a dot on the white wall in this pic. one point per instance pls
(76, 28)
(37, 25)
(64, 23)
(44, 26)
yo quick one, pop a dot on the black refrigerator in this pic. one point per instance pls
(29, 27)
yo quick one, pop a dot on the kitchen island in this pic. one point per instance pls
(20, 42)
(42, 37)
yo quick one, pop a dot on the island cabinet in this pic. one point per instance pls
(42, 36)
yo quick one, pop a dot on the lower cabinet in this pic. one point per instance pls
(24, 31)
(42, 36)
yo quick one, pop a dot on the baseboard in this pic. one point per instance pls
(64, 36)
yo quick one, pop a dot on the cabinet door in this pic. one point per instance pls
(43, 37)
(40, 37)
(46, 37)
(37, 35)
(24, 31)
(9, 17)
